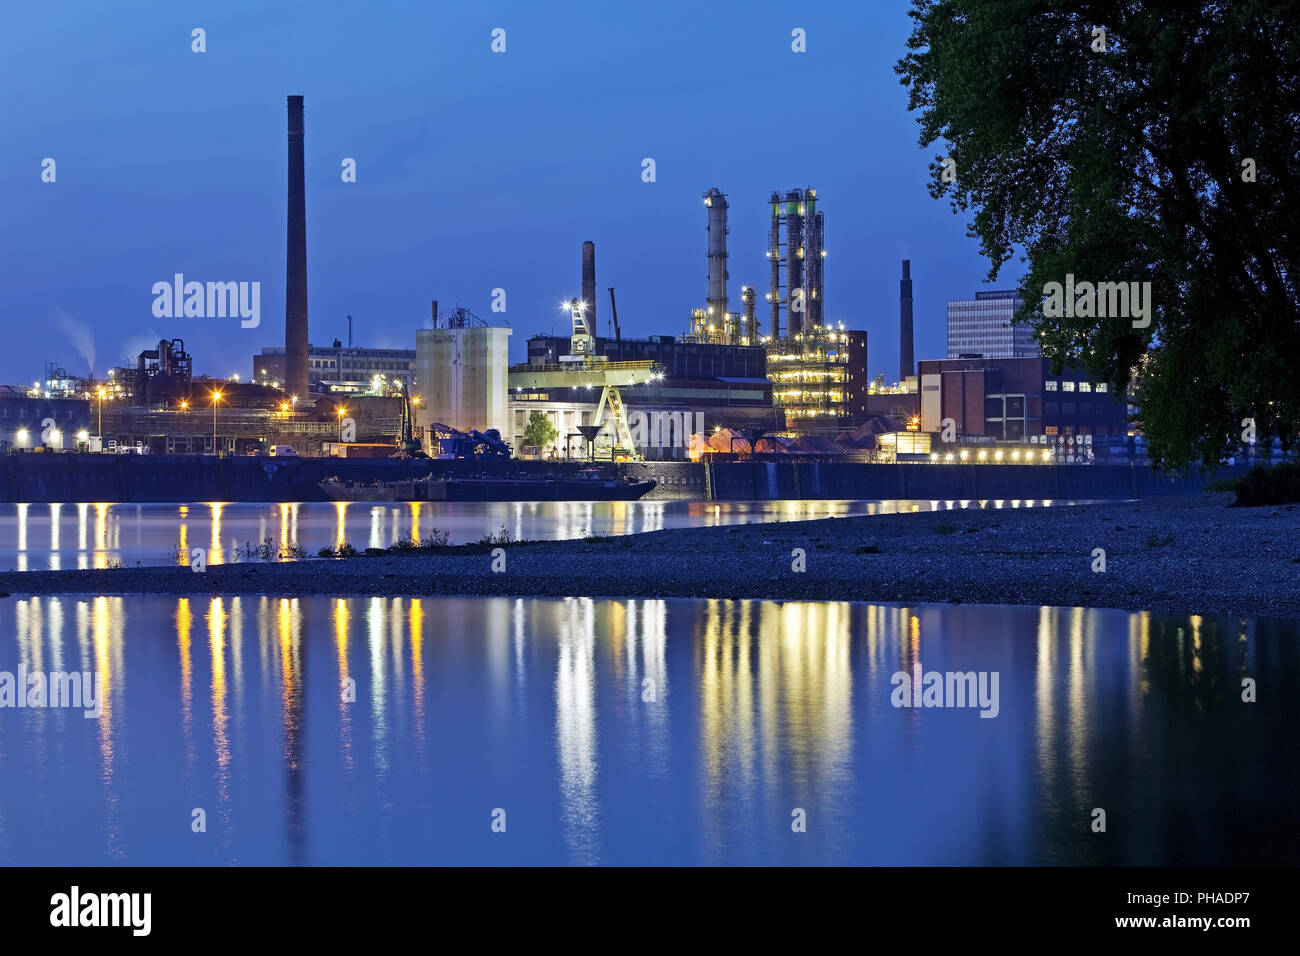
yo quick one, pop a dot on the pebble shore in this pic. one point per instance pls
(1191, 555)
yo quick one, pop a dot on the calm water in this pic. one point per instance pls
(37, 537)
(642, 731)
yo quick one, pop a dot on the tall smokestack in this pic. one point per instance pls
(815, 260)
(796, 309)
(774, 260)
(589, 283)
(747, 296)
(295, 297)
(717, 253)
(906, 363)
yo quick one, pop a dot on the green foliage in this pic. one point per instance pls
(325, 553)
(346, 550)
(540, 431)
(1264, 485)
(1126, 165)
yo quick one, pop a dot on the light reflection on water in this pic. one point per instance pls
(40, 536)
(641, 731)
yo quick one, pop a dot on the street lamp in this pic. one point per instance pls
(342, 410)
(216, 397)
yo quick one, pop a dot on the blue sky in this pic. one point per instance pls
(475, 170)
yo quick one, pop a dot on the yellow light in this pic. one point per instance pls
(984, 455)
(415, 400)
(83, 435)
(185, 406)
(997, 455)
(216, 396)
(964, 454)
(1015, 456)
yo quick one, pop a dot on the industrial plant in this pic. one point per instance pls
(725, 387)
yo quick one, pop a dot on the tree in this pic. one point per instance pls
(1164, 150)
(540, 431)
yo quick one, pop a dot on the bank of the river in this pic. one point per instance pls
(1184, 555)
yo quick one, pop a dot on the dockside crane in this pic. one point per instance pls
(583, 368)
(613, 311)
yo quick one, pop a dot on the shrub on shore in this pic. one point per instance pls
(1265, 485)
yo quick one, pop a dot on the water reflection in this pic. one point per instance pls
(643, 731)
(164, 534)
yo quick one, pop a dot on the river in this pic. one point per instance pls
(409, 730)
(35, 537)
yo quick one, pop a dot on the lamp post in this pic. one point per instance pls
(342, 410)
(216, 397)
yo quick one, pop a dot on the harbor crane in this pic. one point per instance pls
(582, 368)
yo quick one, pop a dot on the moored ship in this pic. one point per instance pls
(586, 486)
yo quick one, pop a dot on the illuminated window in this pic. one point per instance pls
(1067, 386)
(1085, 387)
(1051, 384)
(1101, 387)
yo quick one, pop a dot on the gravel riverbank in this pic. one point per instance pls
(1185, 555)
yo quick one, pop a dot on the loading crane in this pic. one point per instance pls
(613, 310)
(582, 368)
(407, 444)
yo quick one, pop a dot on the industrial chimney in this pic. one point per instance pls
(295, 297)
(717, 253)
(589, 283)
(906, 363)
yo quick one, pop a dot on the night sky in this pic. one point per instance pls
(475, 170)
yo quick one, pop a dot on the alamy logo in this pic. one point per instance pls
(664, 429)
(212, 300)
(132, 910)
(55, 689)
(947, 689)
(1085, 300)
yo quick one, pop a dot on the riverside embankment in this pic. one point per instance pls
(69, 478)
(1189, 554)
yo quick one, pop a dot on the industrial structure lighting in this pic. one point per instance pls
(216, 399)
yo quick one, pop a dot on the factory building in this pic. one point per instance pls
(461, 368)
(982, 328)
(1020, 400)
(819, 378)
(35, 420)
(339, 368)
(703, 387)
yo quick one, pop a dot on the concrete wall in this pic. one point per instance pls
(143, 478)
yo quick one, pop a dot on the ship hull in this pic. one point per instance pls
(492, 489)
